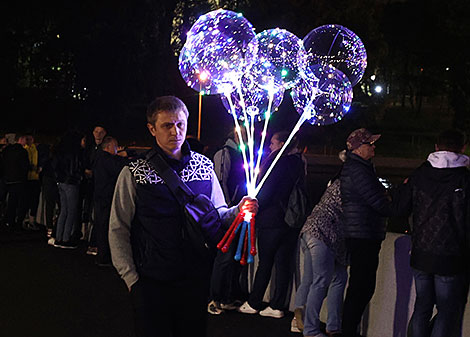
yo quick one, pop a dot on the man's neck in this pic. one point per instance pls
(175, 155)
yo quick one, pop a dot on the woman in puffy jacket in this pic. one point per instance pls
(68, 166)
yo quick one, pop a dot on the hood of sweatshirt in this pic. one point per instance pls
(447, 159)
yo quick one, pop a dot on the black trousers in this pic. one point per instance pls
(170, 308)
(277, 247)
(101, 227)
(16, 204)
(226, 285)
(50, 194)
(33, 188)
(364, 261)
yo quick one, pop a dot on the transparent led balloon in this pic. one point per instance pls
(304, 93)
(334, 96)
(213, 57)
(337, 46)
(254, 98)
(276, 56)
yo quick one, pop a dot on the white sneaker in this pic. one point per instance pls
(293, 326)
(270, 312)
(51, 241)
(245, 308)
(213, 308)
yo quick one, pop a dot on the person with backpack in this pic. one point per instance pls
(227, 283)
(277, 241)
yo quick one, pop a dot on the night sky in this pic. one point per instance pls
(73, 64)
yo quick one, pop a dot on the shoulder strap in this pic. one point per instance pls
(180, 190)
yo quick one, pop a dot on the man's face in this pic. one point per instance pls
(169, 131)
(29, 140)
(112, 148)
(22, 140)
(98, 134)
(366, 151)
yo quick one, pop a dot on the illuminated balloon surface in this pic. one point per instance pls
(255, 98)
(278, 56)
(337, 46)
(213, 57)
(330, 97)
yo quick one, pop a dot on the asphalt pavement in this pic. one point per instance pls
(47, 291)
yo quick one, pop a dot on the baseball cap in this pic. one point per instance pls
(359, 137)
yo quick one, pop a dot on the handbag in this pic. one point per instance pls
(202, 221)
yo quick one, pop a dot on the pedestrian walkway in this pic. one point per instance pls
(46, 291)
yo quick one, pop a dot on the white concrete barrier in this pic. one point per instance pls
(392, 305)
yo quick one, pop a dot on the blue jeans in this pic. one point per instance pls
(68, 217)
(448, 294)
(323, 277)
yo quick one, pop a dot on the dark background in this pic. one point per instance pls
(75, 63)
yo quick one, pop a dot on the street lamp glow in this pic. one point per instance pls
(378, 89)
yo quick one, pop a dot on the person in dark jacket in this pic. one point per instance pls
(438, 195)
(15, 165)
(365, 203)
(108, 165)
(227, 288)
(277, 241)
(50, 192)
(168, 280)
(68, 167)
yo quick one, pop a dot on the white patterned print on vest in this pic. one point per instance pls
(199, 168)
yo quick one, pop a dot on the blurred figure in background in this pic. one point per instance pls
(226, 285)
(108, 164)
(68, 167)
(277, 241)
(15, 173)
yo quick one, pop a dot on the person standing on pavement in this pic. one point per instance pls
(108, 165)
(226, 285)
(33, 185)
(438, 196)
(68, 167)
(277, 241)
(92, 145)
(15, 164)
(167, 279)
(365, 204)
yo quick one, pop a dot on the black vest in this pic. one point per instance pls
(158, 247)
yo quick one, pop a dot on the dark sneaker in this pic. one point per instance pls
(57, 244)
(68, 245)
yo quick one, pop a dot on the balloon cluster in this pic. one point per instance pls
(223, 55)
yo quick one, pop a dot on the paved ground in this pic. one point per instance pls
(46, 291)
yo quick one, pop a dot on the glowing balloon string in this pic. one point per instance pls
(305, 115)
(263, 134)
(249, 187)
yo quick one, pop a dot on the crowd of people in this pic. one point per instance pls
(140, 226)
(64, 189)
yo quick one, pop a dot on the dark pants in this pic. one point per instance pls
(33, 188)
(101, 227)
(170, 308)
(364, 261)
(448, 294)
(50, 193)
(225, 279)
(276, 247)
(16, 209)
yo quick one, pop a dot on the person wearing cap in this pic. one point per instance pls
(365, 204)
